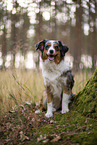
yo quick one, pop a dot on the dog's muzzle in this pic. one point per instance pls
(51, 54)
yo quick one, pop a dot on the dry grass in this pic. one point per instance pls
(19, 86)
(80, 80)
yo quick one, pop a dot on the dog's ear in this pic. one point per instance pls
(63, 47)
(40, 45)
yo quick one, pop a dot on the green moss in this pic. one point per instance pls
(74, 127)
(48, 129)
(86, 100)
(86, 138)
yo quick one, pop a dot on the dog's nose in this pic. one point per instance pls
(51, 51)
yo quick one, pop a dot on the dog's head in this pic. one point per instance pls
(52, 50)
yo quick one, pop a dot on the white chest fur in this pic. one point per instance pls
(52, 75)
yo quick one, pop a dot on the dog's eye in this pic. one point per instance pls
(47, 47)
(57, 48)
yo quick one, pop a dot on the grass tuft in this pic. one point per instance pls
(18, 87)
(13, 97)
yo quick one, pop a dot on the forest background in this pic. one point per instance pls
(25, 22)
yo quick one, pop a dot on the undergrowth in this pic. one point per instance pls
(20, 125)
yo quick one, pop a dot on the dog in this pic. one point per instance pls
(58, 78)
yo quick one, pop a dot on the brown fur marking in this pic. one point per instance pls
(66, 90)
(49, 44)
(55, 44)
(44, 57)
(49, 94)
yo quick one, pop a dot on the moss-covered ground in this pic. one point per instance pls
(77, 127)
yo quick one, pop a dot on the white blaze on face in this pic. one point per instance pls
(51, 55)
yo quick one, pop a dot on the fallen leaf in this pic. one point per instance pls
(56, 139)
(23, 137)
(45, 141)
(41, 138)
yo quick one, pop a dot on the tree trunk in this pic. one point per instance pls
(78, 37)
(85, 101)
(4, 47)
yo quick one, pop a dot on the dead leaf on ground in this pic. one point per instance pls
(56, 139)
(23, 137)
(45, 141)
(41, 138)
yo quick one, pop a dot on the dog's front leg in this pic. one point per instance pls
(49, 110)
(49, 103)
(65, 102)
(65, 99)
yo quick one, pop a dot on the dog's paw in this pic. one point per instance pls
(37, 111)
(64, 110)
(48, 115)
